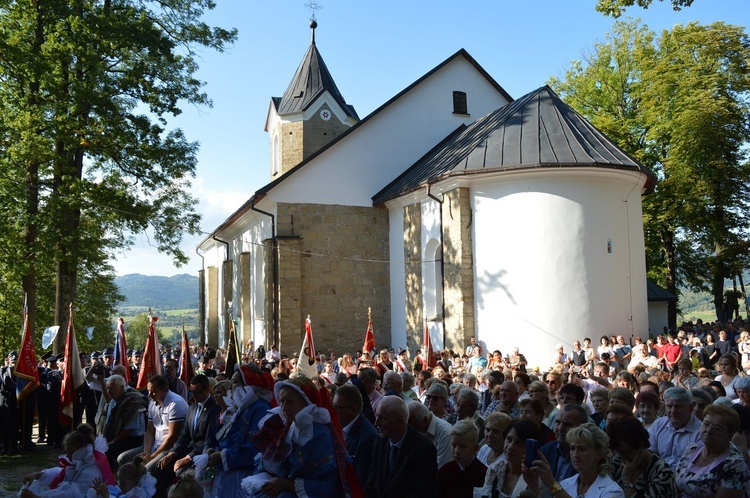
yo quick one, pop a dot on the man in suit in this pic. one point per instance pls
(404, 462)
(198, 432)
(359, 433)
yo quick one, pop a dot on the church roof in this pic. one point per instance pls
(655, 292)
(538, 130)
(311, 80)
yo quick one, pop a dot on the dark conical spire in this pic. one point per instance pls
(311, 79)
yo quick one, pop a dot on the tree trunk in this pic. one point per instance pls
(667, 240)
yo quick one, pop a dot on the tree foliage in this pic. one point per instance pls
(86, 90)
(678, 102)
(615, 8)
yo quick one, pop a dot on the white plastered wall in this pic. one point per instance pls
(543, 270)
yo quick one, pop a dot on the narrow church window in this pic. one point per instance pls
(459, 103)
(275, 156)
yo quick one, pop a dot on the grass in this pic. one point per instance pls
(705, 315)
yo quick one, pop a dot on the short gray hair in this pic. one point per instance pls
(678, 394)
(742, 383)
(471, 395)
(117, 380)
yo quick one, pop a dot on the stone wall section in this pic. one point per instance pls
(413, 272)
(290, 294)
(227, 269)
(458, 268)
(337, 269)
(300, 139)
(243, 308)
(212, 330)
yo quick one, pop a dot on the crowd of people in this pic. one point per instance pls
(654, 418)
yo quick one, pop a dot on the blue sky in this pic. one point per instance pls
(373, 50)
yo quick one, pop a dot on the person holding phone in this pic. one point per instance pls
(506, 478)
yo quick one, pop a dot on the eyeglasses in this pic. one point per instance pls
(550, 381)
(342, 407)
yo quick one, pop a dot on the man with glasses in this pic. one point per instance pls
(435, 400)
(359, 433)
(199, 432)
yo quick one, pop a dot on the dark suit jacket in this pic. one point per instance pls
(359, 443)
(194, 437)
(416, 469)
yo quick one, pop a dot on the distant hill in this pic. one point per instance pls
(164, 293)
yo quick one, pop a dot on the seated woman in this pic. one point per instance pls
(505, 479)
(302, 447)
(491, 452)
(713, 466)
(589, 454)
(533, 410)
(685, 377)
(248, 401)
(638, 471)
(79, 471)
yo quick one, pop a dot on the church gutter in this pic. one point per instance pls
(275, 272)
(442, 261)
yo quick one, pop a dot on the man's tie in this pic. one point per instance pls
(197, 414)
(392, 457)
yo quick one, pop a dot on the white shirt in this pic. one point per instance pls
(439, 433)
(602, 487)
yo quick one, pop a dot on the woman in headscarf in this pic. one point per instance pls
(302, 447)
(248, 401)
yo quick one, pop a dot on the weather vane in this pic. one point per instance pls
(313, 6)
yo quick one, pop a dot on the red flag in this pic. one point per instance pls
(26, 368)
(308, 352)
(121, 349)
(428, 353)
(186, 363)
(72, 375)
(151, 363)
(369, 345)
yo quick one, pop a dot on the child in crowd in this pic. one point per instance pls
(457, 479)
(134, 482)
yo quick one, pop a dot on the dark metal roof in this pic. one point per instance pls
(536, 131)
(657, 293)
(311, 79)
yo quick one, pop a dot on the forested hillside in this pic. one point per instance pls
(164, 293)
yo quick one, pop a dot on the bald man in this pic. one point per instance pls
(404, 462)
(437, 430)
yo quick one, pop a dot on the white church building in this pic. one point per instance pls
(452, 206)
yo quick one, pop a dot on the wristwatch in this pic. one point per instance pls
(556, 488)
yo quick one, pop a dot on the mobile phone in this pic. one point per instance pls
(532, 447)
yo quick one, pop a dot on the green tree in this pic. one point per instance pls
(615, 8)
(86, 88)
(678, 103)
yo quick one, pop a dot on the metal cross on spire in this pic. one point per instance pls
(313, 6)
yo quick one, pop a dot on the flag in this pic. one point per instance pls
(308, 352)
(49, 336)
(90, 332)
(369, 345)
(121, 348)
(151, 363)
(186, 363)
(428, 354)
(72, 375)
(233, 353)
(27, 374)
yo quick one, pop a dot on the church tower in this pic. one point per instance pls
(311, 113)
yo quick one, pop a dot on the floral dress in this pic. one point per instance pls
(728, 471)
(656, 481)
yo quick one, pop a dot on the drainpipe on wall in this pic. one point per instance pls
(275, 273)
(442, 262)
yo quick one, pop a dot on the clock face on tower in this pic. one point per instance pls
(325, 114)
